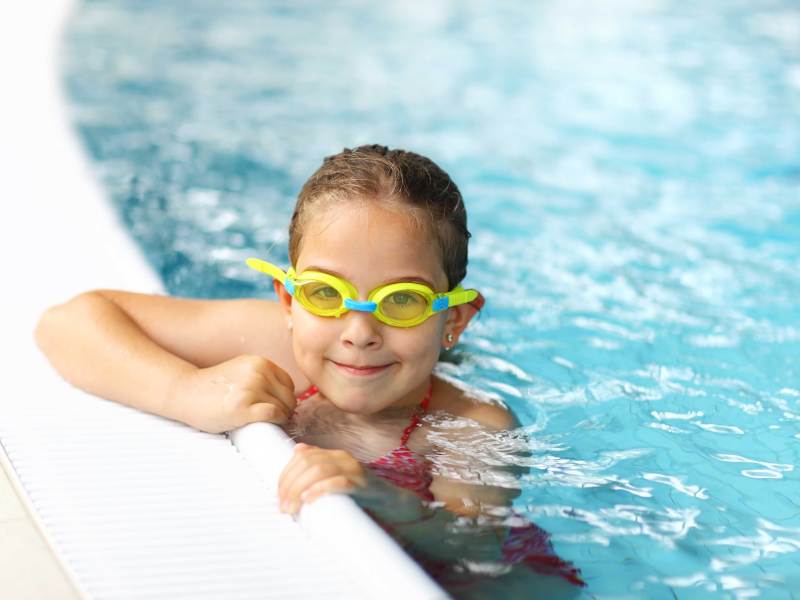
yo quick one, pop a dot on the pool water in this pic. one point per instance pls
(632, 176)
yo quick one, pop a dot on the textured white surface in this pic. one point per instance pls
(139, 506)
(335, 522)
(28, 568)
(134, 505)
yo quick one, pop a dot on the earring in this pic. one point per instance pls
(449, 341)
(289, 324)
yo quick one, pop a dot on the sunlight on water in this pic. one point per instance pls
(631, 173)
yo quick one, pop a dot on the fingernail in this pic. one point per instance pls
(284, 505)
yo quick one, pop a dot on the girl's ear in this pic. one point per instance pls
(458, 317)
(284, 299)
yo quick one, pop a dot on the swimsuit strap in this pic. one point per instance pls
(308, 393)
(423, 406)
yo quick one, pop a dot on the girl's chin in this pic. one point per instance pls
(355, 405)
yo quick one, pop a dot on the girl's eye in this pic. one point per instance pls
(321, 295)
(402, 298)
(403, 306)
(326, 292)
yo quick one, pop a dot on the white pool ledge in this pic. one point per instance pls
(133, 505)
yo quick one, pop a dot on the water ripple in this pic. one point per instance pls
(632, 189)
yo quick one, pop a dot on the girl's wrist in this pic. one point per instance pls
(175, 402)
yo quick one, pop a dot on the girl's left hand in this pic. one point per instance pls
(314, 471)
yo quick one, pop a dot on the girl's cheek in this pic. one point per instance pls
(308, 327)
(419, 342)
(313, 339)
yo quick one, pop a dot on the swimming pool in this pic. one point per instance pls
(631, 173)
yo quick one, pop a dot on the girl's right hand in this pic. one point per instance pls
(245, 389)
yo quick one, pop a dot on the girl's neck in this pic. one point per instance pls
(403, 408)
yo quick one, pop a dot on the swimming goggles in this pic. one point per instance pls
(396, 304)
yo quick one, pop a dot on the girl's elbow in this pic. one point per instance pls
(53, 319)
(46, 327)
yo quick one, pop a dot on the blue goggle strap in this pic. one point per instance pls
(369, 307)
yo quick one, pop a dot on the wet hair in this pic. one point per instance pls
(399, 180)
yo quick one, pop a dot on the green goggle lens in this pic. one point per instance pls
(320, 295)
(404, 305)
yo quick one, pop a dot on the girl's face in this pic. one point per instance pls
(360, 364)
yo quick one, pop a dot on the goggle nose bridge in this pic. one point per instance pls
(369, 307)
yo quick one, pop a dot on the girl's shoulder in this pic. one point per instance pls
(468, 404)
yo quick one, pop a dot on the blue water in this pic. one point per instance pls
(632, 176)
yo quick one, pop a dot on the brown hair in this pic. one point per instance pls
(397, 179)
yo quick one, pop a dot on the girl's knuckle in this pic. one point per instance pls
(275, 415)
(317, 470)
(347, 460)
(257, 381)
(241, 400)
(340, 482)
(255, 362)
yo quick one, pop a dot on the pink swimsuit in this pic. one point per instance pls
(529, 544)
(401, 466)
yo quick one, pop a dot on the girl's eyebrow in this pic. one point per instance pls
(410, 278)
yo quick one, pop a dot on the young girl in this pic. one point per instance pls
(345, 357)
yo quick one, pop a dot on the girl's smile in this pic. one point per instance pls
(360, 364)
(361, 370)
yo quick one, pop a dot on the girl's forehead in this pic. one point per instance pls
(372, 244)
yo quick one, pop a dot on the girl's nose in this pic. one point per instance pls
(361, 330)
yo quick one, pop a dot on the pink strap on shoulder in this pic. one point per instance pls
(308, 393)
(423, 406)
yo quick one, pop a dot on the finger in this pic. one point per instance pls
(271, 398)
(336, 462)
(261, 389)
(308, 477)
(270, 388)
(304, 457)
(285, 379)
(263, 366)
(266, 412)
(290, 472)
(337, 484)
(277, 378)
(280, 390)
(330, 485)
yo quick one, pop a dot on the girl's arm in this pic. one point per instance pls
(473, 498)
(202, 362)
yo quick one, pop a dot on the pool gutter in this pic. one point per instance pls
(100, 480)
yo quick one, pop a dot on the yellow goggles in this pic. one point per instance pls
(396, 304)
